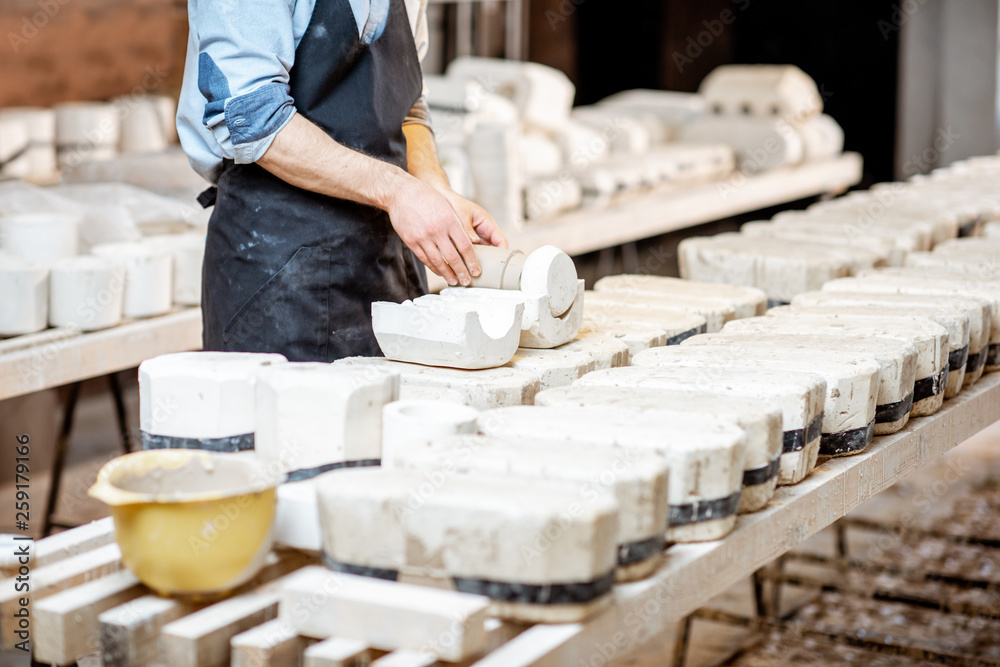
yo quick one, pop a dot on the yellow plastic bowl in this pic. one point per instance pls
(190, 522)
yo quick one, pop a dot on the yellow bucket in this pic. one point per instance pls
(190, 522)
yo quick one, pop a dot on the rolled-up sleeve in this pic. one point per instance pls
(245, 53)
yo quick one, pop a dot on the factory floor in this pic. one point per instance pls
(958, 494)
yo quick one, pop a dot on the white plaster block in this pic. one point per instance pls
(14, 143)
(716, 313)
(86, 292)
(409, 422)
(148, 276)
(549, 272)
(637, 337)
(201, 394)
(554, 368)
(761, 144)
(929, 338)
(605, 350)
(412, 392)
(86, 131)
(897, 362)
(40, 237)
(671, 107)
(744, 301)
(862, 221)
(296, 517)
(705, 456)
(637, 479)
(482, 389)
(382, 614)
(851, 384)
(762, 91)
(822, 138)
(463, 531)
(677, 325)
(188, 253)
(799, 396)
(24, 306)
(440, 331)
(40, 124)
(142, 128)
(890, 249)
(760, 419)
(313, 414)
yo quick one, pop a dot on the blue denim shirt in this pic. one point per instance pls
(235, 96)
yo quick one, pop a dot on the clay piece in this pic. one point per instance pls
(356, 608)
(851, 385)
(296, 516)
(554, 368)
(890, 249)
(716, 314)
(148, 276)
(744, 301)
(86, 292)
(762, 91)
(897, 361)
(705, 457)
(24, 307)
(440, 331)
(500, 268)
(637, 337)
(605, 350)
(482, 389)
(200, 400)
(188, 252)
(539, 328)
(407, 423)
(761, 420)
(963, 318)
(547, 272)
(313, 417)
(678, 325)
(482, 534)
(800, 396)
(40, 237)
(637, 480)
(929, 338)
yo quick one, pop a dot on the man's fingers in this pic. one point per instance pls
(438, 263)
(468, 254)
(455, 261)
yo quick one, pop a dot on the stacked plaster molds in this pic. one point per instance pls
(800, 397)
(554, 368)
(705, 456)
(897, 361)
(677, 325)
(200, 400)
(607, 351)
(482, 389)
(406, 423)
(480, 534)
(890, 249)
(24, 306)
(745, 301)
(637, 337)
(760, 419)
(929, 338)
(851, 384)
(188, 253)
(438, 331)
(148, 276)
(86, 131)
(637, 479)
(313, 417)
(86, 292)
(40, 237)
(716, 314)
(963, 318)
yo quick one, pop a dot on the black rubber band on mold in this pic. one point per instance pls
(958, 358)
(976, 361)
(684, 335)
(847, 442)
(893, 412)
(797, 439)
(704, 510)
(309, 473)
(233, 443)
(640, 550)
(387, 574)
(993, 355)
(763, 474)
(775, 303)
(930, 386)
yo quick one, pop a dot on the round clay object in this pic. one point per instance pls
(550, 272)
(494, 263)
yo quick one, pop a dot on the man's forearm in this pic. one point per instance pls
(421, 156)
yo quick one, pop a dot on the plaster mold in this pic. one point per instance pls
(40, 237)
(890, 249)
(407, 423)
(745, 301)
(554, 368)
(822, 138)
(637, 337)
(761, 144)
(412, 392)
(188, 253)
(86, 131)
(761, 420)
(472, 533)
(40, 124)
(762, 91)
(547, 272)
(605, 350)
(716, 313)
(296, 517)
(24, 307)
(142, 129)
(148, 276)
(705, 457)
(14, 143)
(800, 396)
(86, 292)
(678, 325)
(483, 389)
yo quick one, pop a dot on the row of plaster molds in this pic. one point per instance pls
(149, 272)
(201, 399)
(744, 301)
(188, 254)
(438, 331)
(851, 384)
(24, 306)
(677, 325)
(637, 337)
(897, 362)
(930, 339)
(716, 314)
(606, 350)
(760, 420)
(553, 368)
(800, 396)
(963, 318)
(86, 292)
(637, 479)
(482, 389)
(890, 249)
(476, 533)
(705, 459)
(891, 211)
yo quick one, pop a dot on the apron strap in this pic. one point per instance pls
(208, 197)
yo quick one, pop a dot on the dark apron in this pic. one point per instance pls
(294, 272)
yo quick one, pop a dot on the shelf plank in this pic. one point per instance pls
(692, 574)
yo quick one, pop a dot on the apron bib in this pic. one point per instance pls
(295, 272)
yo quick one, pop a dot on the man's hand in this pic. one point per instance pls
(478, 224)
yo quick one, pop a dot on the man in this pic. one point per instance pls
(309, 118)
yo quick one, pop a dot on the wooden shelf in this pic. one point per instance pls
(694, 573)
(60, 356)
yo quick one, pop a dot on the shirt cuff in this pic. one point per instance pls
(253, 120)
(419, 114)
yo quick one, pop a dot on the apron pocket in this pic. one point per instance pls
(290, 313)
